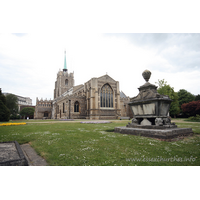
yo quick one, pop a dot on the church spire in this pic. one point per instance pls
(65, 64)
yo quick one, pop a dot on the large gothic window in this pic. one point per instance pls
(66, 82)
(106, 96)
(76, 106)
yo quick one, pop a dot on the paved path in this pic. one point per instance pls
(33, 158)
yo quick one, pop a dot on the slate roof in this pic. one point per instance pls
(122, 95)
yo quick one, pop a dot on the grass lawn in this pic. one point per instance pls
(71, 143)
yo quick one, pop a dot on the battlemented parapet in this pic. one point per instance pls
(43, 109)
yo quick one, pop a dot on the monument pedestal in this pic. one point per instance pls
(164, 133)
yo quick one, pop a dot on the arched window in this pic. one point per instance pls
(76, 106)
(63, 107)
(106, 96)
(66, 82)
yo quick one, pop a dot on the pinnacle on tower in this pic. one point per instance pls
(65, 64)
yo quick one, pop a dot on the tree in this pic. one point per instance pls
(12, 104)
(197, 97)
(166, 89)
(2, 97)
(27, 112)
(4, 111)
(185, 97)
(191, 108)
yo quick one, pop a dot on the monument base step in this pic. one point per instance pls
(163, 134)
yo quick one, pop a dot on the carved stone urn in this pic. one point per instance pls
(146, 75)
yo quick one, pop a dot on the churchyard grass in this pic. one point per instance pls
(76, 144)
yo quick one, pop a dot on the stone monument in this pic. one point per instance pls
(11, 154)
(150, 110)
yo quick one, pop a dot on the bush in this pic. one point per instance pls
(15, 116)
(194, 118)
(191, 108)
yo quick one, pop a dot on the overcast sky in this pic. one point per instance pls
(29, 62)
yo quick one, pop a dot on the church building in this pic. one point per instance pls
(98, 98)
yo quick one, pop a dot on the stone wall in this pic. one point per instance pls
(125, 108)
(43, 109)
(65, 107)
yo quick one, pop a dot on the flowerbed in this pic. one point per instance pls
(12, 124)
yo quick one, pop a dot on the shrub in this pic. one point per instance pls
(194, 118)
(14, 116)
(191, 108)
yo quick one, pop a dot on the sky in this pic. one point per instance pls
(29, 62)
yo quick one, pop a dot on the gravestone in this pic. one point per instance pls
(11, 154)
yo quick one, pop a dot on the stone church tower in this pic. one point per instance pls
(65, 81)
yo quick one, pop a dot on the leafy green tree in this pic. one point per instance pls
(185, 97)
(197, 97)
(2, 97)
(27, 112)
(12, 104)
(166, 89)
(4, 111)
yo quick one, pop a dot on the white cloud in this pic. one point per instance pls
(29, 63)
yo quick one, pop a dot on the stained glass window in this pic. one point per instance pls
(106, 96)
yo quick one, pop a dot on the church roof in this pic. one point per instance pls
(78, 87)
(122, 95)
(106, 77)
